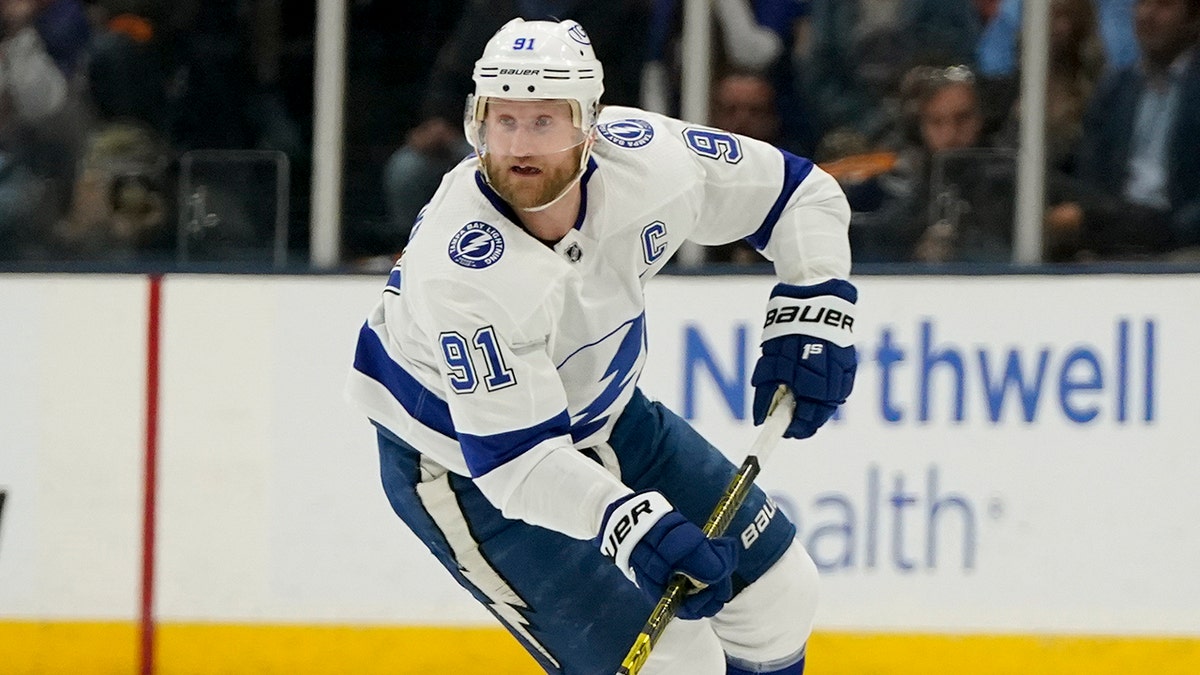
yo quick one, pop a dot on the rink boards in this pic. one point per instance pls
(1011, 488)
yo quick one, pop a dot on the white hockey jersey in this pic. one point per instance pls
(492, 353)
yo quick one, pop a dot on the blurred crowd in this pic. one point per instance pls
(169, 130)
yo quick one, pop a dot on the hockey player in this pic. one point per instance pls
(500, 369)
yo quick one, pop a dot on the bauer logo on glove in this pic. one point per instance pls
(807, 345)
(650, 541)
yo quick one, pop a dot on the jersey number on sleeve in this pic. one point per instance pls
(713, 144)
(461, 362)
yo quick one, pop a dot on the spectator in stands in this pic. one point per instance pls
(1138, 192)
(860, 49)
(943, 115)
(36, 149)
(1113, 19)
(205, 74)
(786, 23)
(66, 31)
(789, 19)
(745, 103)
(413, 172)
(947, 30)
(856, 56)
(135, 52)
(392, 50)
(1076, 65)
(166, 77)
(749, 35)
(120, 207)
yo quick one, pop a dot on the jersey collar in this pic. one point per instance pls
(507, 211)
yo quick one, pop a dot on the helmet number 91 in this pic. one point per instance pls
(523, 43)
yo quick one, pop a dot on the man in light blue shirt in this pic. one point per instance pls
(997, 49)
(1139, 163)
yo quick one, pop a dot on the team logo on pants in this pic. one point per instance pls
(477, 245)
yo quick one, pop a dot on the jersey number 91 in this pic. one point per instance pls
(461, 361)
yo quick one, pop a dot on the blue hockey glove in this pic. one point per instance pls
(808, 345)
(648, 540)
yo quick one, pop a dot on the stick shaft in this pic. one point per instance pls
(735, 493)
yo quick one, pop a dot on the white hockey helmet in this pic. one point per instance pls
(537, 60)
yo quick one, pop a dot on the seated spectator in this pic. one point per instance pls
(36, 148)
(947, 30)
(119, 211)
(1113, 19)
(907, 223)
(860, 50)
(132, 62)
(64, 28)
(175, 76)
(757, 39)
(30, 76)
(1138, 187)
(856, 55)
(1076, 65)
(786, 22)
(205, 75)
(413, 173)
(745, 103)
(749, 35)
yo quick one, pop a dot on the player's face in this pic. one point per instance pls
(531, 149)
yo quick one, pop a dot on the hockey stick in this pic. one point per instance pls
(778, 417)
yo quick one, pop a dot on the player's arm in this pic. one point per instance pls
(798, 217)
(508, 405)
(510, 415)
(786, 207)
(808, 332)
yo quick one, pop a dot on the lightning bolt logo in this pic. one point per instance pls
(620, 373)
(473, 244)
(476, 572)
(515, 617)
(476, 245)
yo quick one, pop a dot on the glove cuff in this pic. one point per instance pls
(626, 521)
(836, 287)
(829, 317)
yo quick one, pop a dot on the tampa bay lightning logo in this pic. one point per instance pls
(579, 35)
(477, 245)
(628, 133)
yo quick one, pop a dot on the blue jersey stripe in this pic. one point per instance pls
(484, 453)
(795, 170)
(373, 361)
